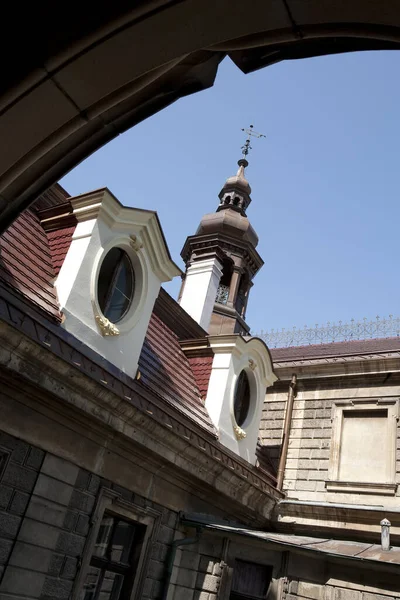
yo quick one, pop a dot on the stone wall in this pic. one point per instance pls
(318, 580)
(197, 571)
(308, 458)
(46, 505)
(18, 478)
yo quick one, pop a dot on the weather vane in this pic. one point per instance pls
(246, 148)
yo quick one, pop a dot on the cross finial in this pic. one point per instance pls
(250, 133)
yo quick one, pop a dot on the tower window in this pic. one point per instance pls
(240, 303)
(116, 285)
(224, 284)
(241, 401)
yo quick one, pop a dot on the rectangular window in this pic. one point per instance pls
(363, 446)
(364, 452)
(250, 581)
(114, 560)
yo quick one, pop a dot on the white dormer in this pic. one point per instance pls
(111, 276)
(241, 371)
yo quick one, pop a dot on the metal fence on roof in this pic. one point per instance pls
(332, 332)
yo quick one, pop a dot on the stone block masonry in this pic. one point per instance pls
(317, 580)
(197, 572)
(46, 506)
(19, 470)
(309, 442)
(312, 430)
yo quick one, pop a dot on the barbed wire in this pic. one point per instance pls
(332, 332)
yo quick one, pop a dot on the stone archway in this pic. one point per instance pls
(75, 81)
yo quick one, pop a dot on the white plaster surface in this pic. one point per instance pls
(101, 226)
(232, 355)
(200, 290)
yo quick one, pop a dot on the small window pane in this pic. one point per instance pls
(104, 536)
(111, 586)
(122, 542)
(114, 560)
(90, 585)
(241, 403)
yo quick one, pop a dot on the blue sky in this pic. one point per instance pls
(325, 181)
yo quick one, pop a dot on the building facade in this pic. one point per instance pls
(139, 454)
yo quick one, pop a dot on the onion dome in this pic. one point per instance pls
(229, 222)
(230, 218)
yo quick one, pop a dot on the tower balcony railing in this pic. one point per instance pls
(222, 294)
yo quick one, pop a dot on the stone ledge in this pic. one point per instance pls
(384, 489)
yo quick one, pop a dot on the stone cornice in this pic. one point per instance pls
(196, 348)
(58, 364)
(299, 516)
(198, 244)
(57, 217)
(341, 366)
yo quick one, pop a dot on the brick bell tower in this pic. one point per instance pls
(221, 260)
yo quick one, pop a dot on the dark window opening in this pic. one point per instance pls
(240, 303)
(116, 285)
(250, 581)
(225, 282)
(114, 562)
(226, 272)
(241, 403)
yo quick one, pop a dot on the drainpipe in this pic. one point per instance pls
(286, 431)
(171, 558)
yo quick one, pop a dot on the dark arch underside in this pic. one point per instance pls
(75, 79)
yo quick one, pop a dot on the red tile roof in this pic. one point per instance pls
(26, 264)
(201, 368)
(59, 243)
(335, 349)
(166, 371)
(30, 259)
(52, 197)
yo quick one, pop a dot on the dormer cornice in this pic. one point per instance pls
(103, 205)
(237, 346)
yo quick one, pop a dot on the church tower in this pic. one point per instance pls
(221, 261)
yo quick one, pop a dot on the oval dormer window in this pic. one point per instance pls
(241, 401)
(115, 285)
